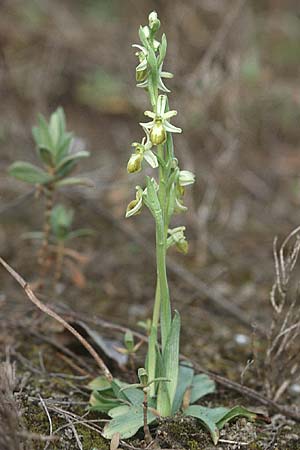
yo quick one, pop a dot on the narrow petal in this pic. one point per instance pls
(147, 125)
(151, 158)
(170, 114)
(150, 114)
(169, 127)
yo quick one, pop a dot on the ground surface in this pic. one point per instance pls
(239, 106)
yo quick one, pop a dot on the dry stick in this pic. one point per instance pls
(30, 294)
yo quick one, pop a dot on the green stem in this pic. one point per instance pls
(165, 307)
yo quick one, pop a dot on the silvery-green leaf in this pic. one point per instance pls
(236, 411)
(208, 417)
(151, 158)
(201, 386)
(127, 424)
(29, 173)
(171, 356)
(99, 384)
(185, 378)
(102, 403)
(118, 411)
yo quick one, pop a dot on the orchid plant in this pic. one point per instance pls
(170, 387)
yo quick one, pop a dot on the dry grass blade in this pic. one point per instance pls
(32, 297)
(282, 365)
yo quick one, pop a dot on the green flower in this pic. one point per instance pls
(160, 125)
(142, 150)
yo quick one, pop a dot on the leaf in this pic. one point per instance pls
(208, 418)
(134, 395)
(215, 418)
(99, 384)
(171, 357)
(42, 135)
(201, 386)
(46, 156)
(81, 232)
(127, 424)
(71, 158)
(162, 50)
(118, 411)
(74, 181)
(29, 173)
(236, 411)
(102, 403)
(185, 379)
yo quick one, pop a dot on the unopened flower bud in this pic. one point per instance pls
(129, 341)
(143, 376)
(186, 178)
(182, 246)
(154, 22)
(158, 133)
(135, 163)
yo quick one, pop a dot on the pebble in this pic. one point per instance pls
(241, 339)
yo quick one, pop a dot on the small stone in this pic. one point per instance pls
(241, 339)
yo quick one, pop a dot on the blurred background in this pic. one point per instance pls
(236, 89)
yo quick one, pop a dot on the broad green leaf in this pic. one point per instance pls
(236, 411)
(215, 418)
(201, 386)
(171, 357)
(127, 424)
(29, 173)
(74, 181)
(99, 384)
(102, 403)
(209, 418)
(61, 221)
(185, 379)
(135, 396)
(118, 411)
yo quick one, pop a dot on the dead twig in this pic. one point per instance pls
(58, 318)
(49, 420)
